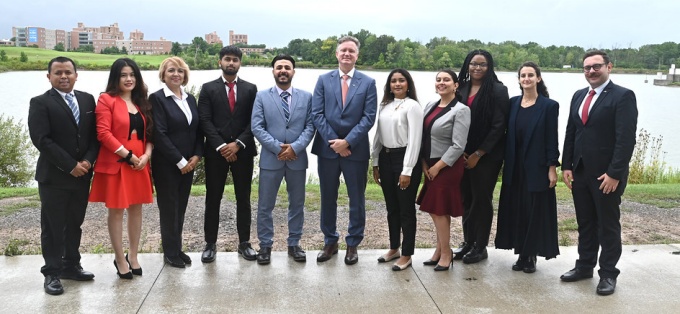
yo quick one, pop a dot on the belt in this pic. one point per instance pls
(388, 150)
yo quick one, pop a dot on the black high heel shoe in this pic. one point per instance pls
(134, 271)
(430, 262)
(127, 275)
(443, 268)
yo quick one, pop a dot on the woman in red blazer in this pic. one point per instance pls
(122, 180)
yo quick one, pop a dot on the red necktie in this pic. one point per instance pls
(586, 107)
(344, 89)
(232, 96)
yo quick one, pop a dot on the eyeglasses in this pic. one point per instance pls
(478, 65)
(596, 67)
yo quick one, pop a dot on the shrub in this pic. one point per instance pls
(16, 153)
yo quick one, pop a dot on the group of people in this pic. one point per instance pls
(457, 145)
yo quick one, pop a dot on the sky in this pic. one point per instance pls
(585, 23)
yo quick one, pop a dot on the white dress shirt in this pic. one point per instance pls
(400, 124)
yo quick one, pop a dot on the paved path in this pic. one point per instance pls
(649, 283)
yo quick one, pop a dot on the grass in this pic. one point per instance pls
(659, 195)
(17, 192)
(82, 59)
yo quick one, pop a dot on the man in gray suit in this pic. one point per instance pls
(282, 123)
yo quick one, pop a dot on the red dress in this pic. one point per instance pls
(117, 184)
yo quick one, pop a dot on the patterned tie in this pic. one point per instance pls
(586, 107)
(285, 104)
(232, 96)
(74, 107)
(345, 87)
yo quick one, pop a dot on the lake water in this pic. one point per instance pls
(659, 107)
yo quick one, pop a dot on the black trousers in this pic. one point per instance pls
(401, 204)
(597, 215)
(477, 189)
(62, 212)
(172, 195)
(216, 170)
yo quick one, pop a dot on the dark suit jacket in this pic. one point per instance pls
(218, 123)
(540, 149)
(61, 142)
(351, 122)
(174, 137)
(487, 133)
(605, 143)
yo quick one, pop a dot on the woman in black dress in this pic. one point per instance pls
(527, 214)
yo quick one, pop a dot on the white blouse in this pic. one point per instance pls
(399, 124)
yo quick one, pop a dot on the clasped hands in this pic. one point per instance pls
(191, 165)
(82, 168)
(229, 151)
(287, 153)
(340, 147)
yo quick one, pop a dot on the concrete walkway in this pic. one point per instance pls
(649, 283)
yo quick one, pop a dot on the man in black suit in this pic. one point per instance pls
(598, 145)
(224, 109)
(61, 123)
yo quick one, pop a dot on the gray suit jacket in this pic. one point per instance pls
(448, 132)
(271, 130)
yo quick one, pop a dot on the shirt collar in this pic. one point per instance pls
(169, 93)
(350, 74)
(225, 80)
(598, 90)
(63, 95)
(279, 90)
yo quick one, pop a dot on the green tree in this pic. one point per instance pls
(23, 57)
(176, 49)
(3, 56)
(59, 47)
(16, 153)
(123, 51)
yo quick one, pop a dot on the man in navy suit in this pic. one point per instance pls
(61, 123)
(598, 145)
(224, 108)
(282, 123)
(343, 109)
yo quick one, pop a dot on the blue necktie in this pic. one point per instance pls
(285, 101)
(74, 107)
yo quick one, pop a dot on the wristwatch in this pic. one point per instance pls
(478, 154)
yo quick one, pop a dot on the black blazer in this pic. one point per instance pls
(61, 142)
(174, 137)
(540, 149)
(487, 134)
(605, 143)
(218, 123)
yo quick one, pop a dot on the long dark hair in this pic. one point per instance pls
(388, 96)
(540, 87)
(139, 95)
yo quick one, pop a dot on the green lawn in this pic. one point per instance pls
(81, 58)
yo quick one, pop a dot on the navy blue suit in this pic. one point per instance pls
(352, 123)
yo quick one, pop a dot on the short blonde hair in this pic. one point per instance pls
(177, 61)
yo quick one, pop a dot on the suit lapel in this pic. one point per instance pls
(222, 95)
(531, 124)
(353, 87)
(578, 100)
(600, 99)
(276, 101)
(62, 104)
(336, 87)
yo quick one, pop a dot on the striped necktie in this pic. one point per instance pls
(285, 104)
(73, 106)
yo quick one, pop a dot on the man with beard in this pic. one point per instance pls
(224, 108)
(598, 145)
(282, 123)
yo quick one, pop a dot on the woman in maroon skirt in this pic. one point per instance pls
(445, 131)
(122, 179)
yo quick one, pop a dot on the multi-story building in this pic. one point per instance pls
(237, 38)
(39, 36)
(213, 38)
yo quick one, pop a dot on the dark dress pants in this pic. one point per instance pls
(401, 204)
(477, 187)
(172, 194)
(62, 212)
(597, 215)
(216, 170)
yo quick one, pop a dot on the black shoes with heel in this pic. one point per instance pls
(135, 271)
(443, 268)
(127, 275)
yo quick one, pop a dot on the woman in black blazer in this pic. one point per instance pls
(527, 215)
(488, 99)
(178, 149)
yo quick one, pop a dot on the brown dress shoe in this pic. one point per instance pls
(328, 251)
(352, 256)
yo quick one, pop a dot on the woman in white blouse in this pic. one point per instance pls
(396, 166)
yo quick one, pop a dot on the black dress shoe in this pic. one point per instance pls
(76, 273)
(430, 262)
(297, 253)
(135, 271)
(328, 251)
(127, 275)
(577, 274)
(264, 256)
(606, 286)
(185, 258)
(475, 255)
(53, 285)
(530, 265)
(209, 253)
(519, 264)
(351, 257)
(247, 251)
(463, 249)
(175, 261)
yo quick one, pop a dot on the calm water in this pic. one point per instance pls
(658, 106)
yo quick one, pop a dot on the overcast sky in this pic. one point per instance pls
(585, 23)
